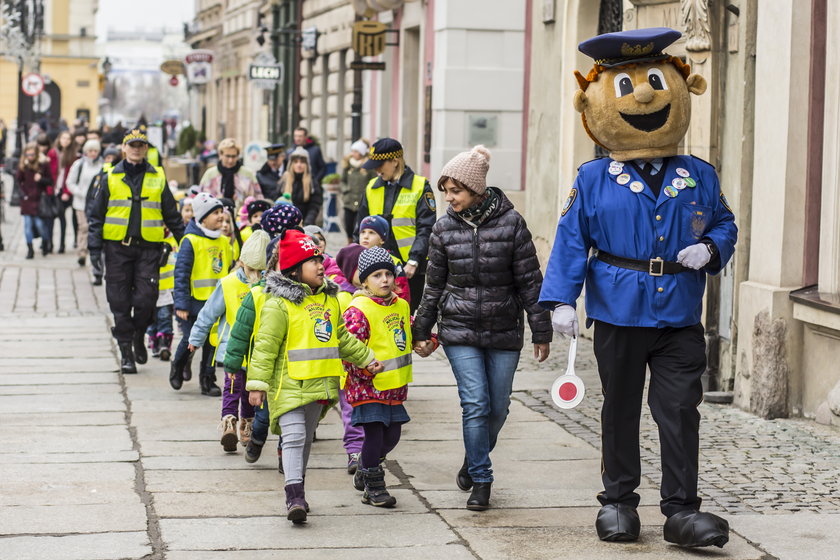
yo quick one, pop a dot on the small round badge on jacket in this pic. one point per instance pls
(623, 179)
(671, 192)
(637, 187)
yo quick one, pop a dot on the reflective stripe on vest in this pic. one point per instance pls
(312, 345)
(211, 262)
(403, 214)
(167, 271)
(390, 340)
(119, 207)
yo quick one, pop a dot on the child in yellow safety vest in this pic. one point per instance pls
(160, 331)
(373, 232)
(216, 320)
(204, 258)
(381, 320)
(297, 359)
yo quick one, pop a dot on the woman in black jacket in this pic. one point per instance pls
(303, 187)
(483, 272)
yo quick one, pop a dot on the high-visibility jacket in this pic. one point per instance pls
(404, 212)
(119, 207)
(167, 271)
(344, 299)
(211, 261)
(312, 348)
(153, 156)
(245, 233)
(390, 340)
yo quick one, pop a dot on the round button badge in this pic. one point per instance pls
(682, 172)
(637, 186)
(623, 179)
(690, 183)
(671, 192)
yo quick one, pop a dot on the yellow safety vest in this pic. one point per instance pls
(211, 262)
(312, 343)
(119, 207)
(167, 271)
(234, 291)
(245, 233)
(153, 156)
(259, 296)
(404, 213)
(236, 248)
(344, 299)
(390, 340)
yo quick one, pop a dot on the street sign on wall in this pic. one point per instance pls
(32, 84)
(199, 66)
(265, 72)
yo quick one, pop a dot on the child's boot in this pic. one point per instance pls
(295, 503)
(246, 426)
(253, 451)
(154, 345)
(229, 439)
(207, 381)
(375, 492)
(165, 347)
(30, 252)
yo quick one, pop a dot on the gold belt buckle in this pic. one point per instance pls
(656, 267)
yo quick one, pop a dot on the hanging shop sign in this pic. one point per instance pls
(265, 72)
(199, 66)
(369, 38)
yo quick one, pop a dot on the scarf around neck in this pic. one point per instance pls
(477, 213)
(228, 173)
(211, 233)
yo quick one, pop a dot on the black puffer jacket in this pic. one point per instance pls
(479, 281)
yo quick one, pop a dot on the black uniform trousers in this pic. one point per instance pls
(132, 274)
(677, 359)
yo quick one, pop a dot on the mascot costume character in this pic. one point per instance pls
(655, 223)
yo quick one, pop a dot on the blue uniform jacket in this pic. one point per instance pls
(603, 214)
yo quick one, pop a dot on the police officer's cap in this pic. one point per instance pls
(381, 151)
(274, 150)
(628, 47)
(135, 135)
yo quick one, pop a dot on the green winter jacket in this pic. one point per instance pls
(268, 365)
(239, 341)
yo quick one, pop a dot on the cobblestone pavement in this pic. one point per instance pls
(747, 464)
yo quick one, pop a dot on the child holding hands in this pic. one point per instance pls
(298, 369)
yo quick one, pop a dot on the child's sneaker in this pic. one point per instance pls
(154, 345)
(229, 439)
(376, 494)
(253, 451)
(352, 463)
(246, 426)
(358, 480)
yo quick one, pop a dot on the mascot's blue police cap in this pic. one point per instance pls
(627, 47)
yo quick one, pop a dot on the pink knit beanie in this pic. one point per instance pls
(470, 169)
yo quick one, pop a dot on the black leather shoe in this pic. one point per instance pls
(479, 499)
(176, 378)
(126, 358)
(97, 280)
(463, 479)
(140, 353)
(618, 523)
(696, 528)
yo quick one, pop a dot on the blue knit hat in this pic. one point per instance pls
(377, 224)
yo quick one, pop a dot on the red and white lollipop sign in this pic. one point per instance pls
(568, 390)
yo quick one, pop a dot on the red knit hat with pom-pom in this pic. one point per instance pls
(295, 248)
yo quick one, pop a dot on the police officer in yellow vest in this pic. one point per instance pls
(407, 201)
(127, 218)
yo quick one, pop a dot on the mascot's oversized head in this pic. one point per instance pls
(635, 100)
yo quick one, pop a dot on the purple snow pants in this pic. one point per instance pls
(354, 436)
(235, 397)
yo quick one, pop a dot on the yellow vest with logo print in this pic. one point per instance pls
(167, 271)
(119, 207)
(404, 213)
(211, 262)
(312, 340)
(390, 340)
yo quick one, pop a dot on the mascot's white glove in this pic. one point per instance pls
(564, 320)
(695, 256)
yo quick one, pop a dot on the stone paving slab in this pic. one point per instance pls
(541, 543)
(76, 518)
(528, 498)
(97, 546)
(792, 535)
(46, 419)
(449, 552)
(18, 404)
(538, 517)
(94, 456)
(68, 389)
(329, 531)
(56, 381)
(60, 439)
(346, 501)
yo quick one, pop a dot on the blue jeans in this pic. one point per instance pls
(163, 320)
(30, 223)
(485, 381)
(259, 431)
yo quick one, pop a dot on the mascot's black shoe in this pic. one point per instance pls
(618, 523)
(696, 528)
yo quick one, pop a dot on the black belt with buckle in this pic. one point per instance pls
(654, 267)
(139, 242)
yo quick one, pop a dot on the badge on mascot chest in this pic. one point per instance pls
(568, 390)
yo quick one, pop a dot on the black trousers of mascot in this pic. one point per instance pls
(676, 358)
(132, 274)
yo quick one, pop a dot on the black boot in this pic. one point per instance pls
(376, 494)
(618, 523)
(479, 499)
(207, 381)
(140, 353)
(127, 358)
(81, 261)
(187, 369)
(295, 503)
(30, 252)
(176, 375)
(696, 528)
(463, 479)
(97, 280)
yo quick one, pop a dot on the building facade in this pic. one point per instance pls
(773, 316)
